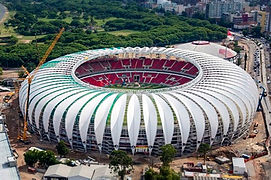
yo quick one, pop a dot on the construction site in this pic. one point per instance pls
(252, 146)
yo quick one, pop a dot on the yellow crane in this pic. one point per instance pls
(30, 78)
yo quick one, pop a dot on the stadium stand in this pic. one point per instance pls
(138, 70)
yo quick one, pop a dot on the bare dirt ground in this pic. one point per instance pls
(239, 147)
(12, 73)
(13, 119)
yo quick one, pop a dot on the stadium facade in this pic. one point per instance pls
(138, 99)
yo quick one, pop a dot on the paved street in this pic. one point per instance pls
(2, 11)
(261, 74)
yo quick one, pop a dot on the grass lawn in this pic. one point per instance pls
(32, 37)
(67, 19)
(101, 22)
(124, 32)
(7, 31)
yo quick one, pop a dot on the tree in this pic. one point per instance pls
(47, 158)
(245, 32)
(120, 163)
(150, 174)
(1, 71)
(31, 157)
(167, 173)
(203, 149)
(238, 61)
(13, 40)
(256, 31)
(62, 149)
(237, 49)
(168, 153)
(152, 29)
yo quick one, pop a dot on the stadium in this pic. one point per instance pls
(138, 99)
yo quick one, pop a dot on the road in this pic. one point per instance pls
(260, 75)
(266, 100)
(3, 10)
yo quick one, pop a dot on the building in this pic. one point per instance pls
(64, 172)
(209, 48)
(138, 99)
(244, 21)
(221, 160)
(8, 168)
(170, 6)
(268, 20)
(239, 166)
(216, 8)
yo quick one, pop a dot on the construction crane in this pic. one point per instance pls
(29, 80)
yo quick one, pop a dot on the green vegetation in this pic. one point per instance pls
(168, 153)
(93, 24)
(101, 22)
(165, 173)
(124, 32)
(31, 157)
(1, 71)
(45, 158)
(61, 148)
(254, 32)
(204, 149)
(21, 73)
(120, 163)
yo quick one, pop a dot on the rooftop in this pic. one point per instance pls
(88, 172)
(6, 155)
(240, 162)
(208, 48)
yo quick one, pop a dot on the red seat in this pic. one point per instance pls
(116, 64)
(158, 64)
(160, 78)
(192, 71)
(139, 64)
(169, 63)
(96, 66)
(126, 62)
(178, 66)
(147, 62)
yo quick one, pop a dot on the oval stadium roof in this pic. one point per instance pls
(222, 98)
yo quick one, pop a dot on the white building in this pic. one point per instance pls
(239, 166)
(209, 48)
(64, 172)
(217, 8)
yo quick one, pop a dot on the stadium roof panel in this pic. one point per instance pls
(221, 94)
